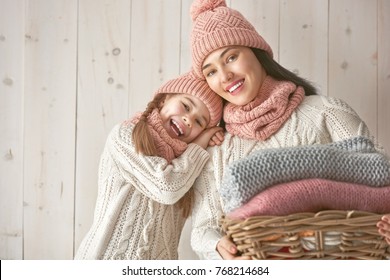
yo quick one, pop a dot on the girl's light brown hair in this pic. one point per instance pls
(144, 144)
(142, 139)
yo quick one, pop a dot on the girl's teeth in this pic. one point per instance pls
(178, 127)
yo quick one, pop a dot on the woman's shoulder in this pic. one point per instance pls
(333, 116)
(324, 103)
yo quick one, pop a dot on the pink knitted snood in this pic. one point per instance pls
(167, 147)
(263, 116)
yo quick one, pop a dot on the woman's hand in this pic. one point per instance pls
(384, 227)
(228, 250)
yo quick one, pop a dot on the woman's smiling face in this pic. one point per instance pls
(184, 116)
(234, 73)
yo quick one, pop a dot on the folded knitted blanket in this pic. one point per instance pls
(353, 160)
(313, 195)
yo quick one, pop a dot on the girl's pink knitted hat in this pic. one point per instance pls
(216, 26)
(190, 84)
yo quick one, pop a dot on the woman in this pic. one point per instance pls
(267, 106)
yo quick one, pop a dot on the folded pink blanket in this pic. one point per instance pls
(313, 195)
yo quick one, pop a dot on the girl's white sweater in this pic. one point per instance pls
(135, 216)
(318, 120)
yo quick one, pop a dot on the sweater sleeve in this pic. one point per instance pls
(206, 213)
(151, 175)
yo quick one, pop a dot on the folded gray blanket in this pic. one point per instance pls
(353, 160)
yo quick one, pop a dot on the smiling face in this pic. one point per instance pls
(234, 73)
(184, 116)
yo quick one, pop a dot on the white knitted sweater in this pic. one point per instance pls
(318, 120)
(135, 216)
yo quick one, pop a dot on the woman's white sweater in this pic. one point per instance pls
(318, 120)
(135, 215)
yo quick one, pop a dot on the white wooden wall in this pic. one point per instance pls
(71, 69)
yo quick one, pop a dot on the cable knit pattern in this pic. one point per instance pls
(313, 195)
(135, 215)
(266, 113)
(317, 120)
(353, 160)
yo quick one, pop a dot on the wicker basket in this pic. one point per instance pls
(324, 235)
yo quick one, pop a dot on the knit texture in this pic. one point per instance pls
(317, 120)
(167, 147)
(354, 161)
(215, 26)
(135, 214)
(190, 84)
(263, 116)
(313, 195)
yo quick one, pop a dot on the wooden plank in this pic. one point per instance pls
(384, 74)
(353, 56)
(304, 40)
(186, 28)
(154, 49)
(103, 85)
(185, 251)
(49, 126)
(11, 128)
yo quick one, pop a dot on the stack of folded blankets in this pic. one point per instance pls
(346, 175)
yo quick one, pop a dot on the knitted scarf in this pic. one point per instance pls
(263, 116)
(353, 160)
(167, 147)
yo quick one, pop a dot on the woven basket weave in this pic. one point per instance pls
(330, 234)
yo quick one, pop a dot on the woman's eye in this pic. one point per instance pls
(231, 58)
(199, 123)
(210, 73)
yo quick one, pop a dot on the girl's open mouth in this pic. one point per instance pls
(176, 128)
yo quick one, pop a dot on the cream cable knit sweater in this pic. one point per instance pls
(318, 119)
(134, 215)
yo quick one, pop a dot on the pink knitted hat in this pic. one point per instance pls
(216, 26)
(189, 83)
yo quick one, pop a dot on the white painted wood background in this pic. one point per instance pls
(71, 69)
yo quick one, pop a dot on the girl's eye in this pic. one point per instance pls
(199, 123)
(186, 107)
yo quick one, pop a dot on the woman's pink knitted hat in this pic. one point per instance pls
(216, 26)
(190, 84)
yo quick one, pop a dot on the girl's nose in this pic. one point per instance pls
(187, 121)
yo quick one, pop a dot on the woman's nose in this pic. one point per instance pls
(226, 75)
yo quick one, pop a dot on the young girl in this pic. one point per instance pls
(268, 107)
(147, 168)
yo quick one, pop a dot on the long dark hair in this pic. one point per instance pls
(280, 73)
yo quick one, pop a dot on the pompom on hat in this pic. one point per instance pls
(190, 84)
(215, 26)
